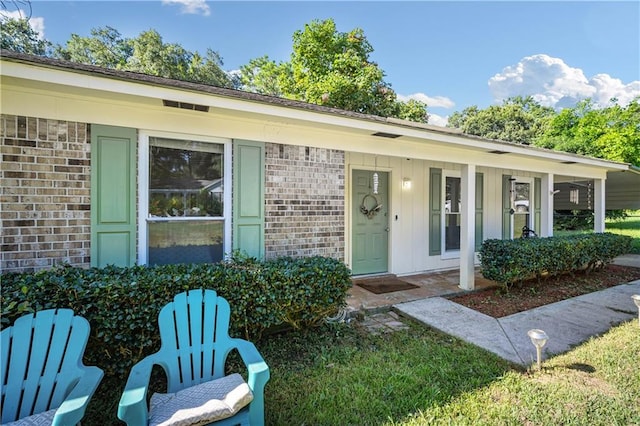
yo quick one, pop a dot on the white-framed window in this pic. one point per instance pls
(452, 199)
(522, 199)
(184, 213)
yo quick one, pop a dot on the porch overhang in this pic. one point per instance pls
(623, 189)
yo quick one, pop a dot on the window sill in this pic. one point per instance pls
(450, 255)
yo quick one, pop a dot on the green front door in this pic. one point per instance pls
(370, 223)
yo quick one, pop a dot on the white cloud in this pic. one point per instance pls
(438, 120)
(192, 7)
(553, 83)
(435, 101)
(608, 87)
(36, 23)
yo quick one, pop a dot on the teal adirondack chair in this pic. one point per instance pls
(43, 378)
(194, 330)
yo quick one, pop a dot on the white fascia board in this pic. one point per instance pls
(278, 112)
(149, 90)
(510, 149)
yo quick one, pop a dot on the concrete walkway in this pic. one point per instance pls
(567, 323)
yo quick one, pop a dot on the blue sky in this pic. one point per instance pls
(450, 54)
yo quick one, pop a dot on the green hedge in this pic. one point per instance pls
(511, 261)
(122, 304)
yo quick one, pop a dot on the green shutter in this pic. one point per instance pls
(113, 196)
(506, 207)
(479, 209)
(248, 198)
(435, 212)
(537, 208)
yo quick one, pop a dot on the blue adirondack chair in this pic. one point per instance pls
(43, 378)
(194, 330)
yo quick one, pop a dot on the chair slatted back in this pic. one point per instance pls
(41, 361)
(194, 330)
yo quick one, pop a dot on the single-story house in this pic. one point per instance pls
(103, 167)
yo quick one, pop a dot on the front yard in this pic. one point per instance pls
(343, 375)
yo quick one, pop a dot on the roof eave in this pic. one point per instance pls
(390, 125)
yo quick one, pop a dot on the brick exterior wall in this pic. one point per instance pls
(304, 201)
(45, 193)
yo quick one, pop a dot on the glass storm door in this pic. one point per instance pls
(452, 203)
(522, 208)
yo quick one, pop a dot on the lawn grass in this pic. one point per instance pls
(341, 375)
(630, 227)
(596, 384)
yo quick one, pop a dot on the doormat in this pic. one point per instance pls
(385, 285)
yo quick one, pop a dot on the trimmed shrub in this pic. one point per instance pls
(122, 304)
(512, 261)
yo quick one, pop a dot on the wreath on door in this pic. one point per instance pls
(370, 212)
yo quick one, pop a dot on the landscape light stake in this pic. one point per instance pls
(539, 339)
(636, 300)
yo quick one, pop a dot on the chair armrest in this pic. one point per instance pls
(73, 407)
(133, 408)
(257, 378)
(257, 368)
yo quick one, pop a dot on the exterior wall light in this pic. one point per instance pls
(539, 339)
(636, 300)
(406, 183)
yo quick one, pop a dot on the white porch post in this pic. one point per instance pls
(467, 227)
(599, 205)
(546, 205)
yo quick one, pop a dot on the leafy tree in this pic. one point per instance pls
(19, 36)
(330, 68)
(151, 56)
(334, 69)
(412, 110)
(612, 133)
(518, 119)
(105, 48)
(146, 54)
(262, 75)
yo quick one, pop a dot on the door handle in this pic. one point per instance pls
(386, 229)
